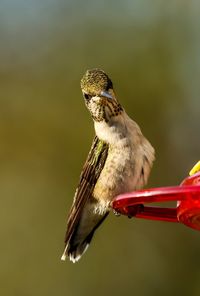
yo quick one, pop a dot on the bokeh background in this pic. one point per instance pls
(151, 51)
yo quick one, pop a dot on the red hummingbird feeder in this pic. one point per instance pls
(187, 195)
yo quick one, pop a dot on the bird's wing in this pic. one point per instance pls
(90, 173)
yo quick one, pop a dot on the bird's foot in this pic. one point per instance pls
(117, 214)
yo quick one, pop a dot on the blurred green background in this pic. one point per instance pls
(151, 50)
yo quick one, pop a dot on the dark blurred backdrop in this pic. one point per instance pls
(151, 51)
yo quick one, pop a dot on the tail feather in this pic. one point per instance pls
(82, 236)
(75, 255)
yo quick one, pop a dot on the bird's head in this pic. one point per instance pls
(99, 95)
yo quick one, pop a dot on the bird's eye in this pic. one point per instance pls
(86, 96)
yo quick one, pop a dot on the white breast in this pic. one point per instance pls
(128, 152)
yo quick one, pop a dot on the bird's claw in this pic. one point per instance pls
(117, 214)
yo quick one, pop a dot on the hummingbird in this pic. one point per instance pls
(120, 160)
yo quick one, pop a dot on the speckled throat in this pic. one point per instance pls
(103, 110)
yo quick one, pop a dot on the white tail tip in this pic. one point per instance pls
(63, 257)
